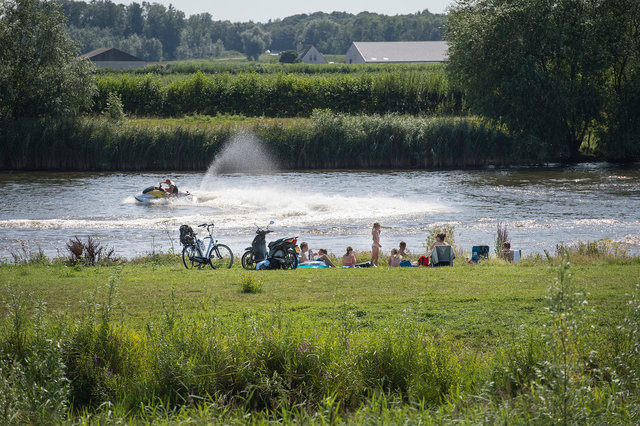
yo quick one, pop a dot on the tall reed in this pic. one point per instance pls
(327, 140)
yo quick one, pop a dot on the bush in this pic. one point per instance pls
(289, 57)
(249, 283)
(280, 94)
(114, 110)
(604, 248)
(448, 230)
(90, 253)
(502, 236)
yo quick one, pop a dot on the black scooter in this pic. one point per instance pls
(283, 253)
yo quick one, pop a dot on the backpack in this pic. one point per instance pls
(187, 235)
(423, 261)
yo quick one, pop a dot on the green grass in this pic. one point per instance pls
(476, 304)
(213, 122)
(149, 341)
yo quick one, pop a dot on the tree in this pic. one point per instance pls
(165, 25)
(289, 57)
(134, 20)
(619, 136)
(536, 65)
(254, 42)
(195, 41)
(320, 33)
(40, 72)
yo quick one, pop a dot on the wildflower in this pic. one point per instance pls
(303, 348)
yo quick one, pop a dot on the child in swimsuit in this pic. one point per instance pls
(375, 247)
(306, 255)
(394, 258)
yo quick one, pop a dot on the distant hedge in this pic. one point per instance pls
(283, 95)
(327, 140)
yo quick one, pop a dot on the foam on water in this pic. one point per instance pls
(290, 205)
(233, 205)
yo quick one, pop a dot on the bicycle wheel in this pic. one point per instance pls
(188, 255)
(220, 257)
(247, 260)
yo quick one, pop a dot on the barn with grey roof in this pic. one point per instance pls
(368, 52)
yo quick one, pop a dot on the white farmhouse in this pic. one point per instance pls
(109, 57)
(375, 52)
(311, 55)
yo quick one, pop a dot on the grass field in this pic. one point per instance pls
(532, 342)
(476, 304)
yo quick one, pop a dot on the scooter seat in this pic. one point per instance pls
(276, 242)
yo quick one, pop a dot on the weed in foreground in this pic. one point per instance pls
(89, 253)
(249, 283)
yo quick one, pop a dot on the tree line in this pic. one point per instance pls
(155, 32)
(558, 76)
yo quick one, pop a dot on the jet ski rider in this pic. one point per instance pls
(171, 190)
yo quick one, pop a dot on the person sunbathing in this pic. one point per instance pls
(323, 256)
(349, 259)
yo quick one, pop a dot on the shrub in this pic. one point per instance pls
(249, 283)
(114, 109)
(90, 253)
(604, 248)
(502, 236)
(449, 230)
(28, 256)
(289, 57)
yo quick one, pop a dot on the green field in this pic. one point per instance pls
(476, 343)
(474, 304)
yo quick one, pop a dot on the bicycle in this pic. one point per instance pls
(218, 256)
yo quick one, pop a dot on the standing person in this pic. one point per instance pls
(375, 246)
(349, 259)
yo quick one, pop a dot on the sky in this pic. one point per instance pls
(263, 10)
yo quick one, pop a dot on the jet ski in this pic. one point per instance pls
(154, 193)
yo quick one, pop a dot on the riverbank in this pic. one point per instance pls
(155, 342)
(325, 141)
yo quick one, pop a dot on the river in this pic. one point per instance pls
(541, 207)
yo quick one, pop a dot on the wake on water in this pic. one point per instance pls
(245, 199)
(243, 186)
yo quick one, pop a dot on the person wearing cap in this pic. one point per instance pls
(171, 188)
